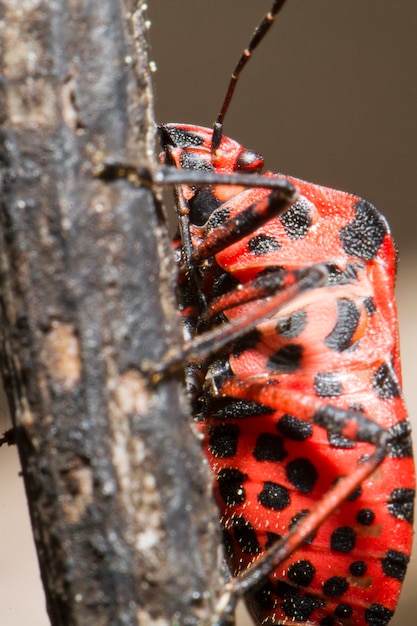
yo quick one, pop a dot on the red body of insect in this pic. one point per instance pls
(332, 345)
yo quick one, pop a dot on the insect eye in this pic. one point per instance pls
(249, 161)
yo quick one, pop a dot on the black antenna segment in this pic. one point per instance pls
(260, 32)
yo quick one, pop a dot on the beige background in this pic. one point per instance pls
(331, 97)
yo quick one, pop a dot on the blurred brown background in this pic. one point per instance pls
(331, 97)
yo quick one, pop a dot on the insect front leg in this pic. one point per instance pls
(274, 290)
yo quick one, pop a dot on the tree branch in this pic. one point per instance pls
(119, 499)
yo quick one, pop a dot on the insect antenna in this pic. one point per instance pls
(260, 32)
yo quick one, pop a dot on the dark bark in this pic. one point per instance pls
(120, 503)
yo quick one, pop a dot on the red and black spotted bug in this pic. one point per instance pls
(287, 295)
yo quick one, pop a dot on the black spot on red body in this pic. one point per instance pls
(363, 236)
(190, 161)
(401, 445)
(298, 607)
(343, 610)
(269, 447)
(335, 586)
(296, 519)
(272, 538)
(365, 517)
(231, 409)
(378, 615)
(294, 428)
(370, 306)
(385, 384)
(230, 484)
(223, 440)
(286, 359)
(301, 573)
(293, 325)
(245, 535)
(394, 564)
(274, 496)
(327, 385)
(343, 539)
(247, 342)
(401, 504)
(356, 493)
(302, 474)
(263, 244)
(358, 568)
(348, 316)
(262, 598)
(297, 219)
(228, 543)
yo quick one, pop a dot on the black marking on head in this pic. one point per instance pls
(249, 161)
(335, 586)
(245, 536)
(294, 428)
(343, 610)
(370, 306)
(358, 568)
(297, 219)
(179, 138)
(394, 564)
(365, 517)
(262, 244)
(296, 606)
(230, 484)
(384, 383)
(343, 539)
(293, 325)
(401, 504)
(191, 161)
(203, 204)
(365, 233)
(327, 385)
(269, 447)
(401, 445)
(301, 573)
(286, 359)
(302, 474)
(297, 518)
(327, 621)
(348, 315)
(273, 496)
(378, 615)
(223, 440)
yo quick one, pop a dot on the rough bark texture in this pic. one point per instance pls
(119, 499)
